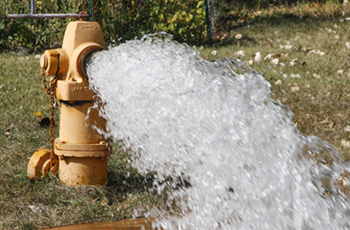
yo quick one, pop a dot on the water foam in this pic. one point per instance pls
(204, 122)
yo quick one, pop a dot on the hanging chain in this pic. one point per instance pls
(51, 90)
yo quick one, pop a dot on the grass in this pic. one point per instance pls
(321, 108)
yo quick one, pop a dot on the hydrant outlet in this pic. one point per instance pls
(83, 61)
(80, 55)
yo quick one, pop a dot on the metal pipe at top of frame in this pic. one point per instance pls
(81, 15)
(92, 10)
(34, 15)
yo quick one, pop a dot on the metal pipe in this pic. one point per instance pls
(34, 15)
(32, 7)
(92, 10)
(208, 22)
(82, 15)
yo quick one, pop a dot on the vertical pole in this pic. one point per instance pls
(208, 22)
(91, 10)
(32, 6)
(212, 17)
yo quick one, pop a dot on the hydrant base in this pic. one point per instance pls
(83, 171)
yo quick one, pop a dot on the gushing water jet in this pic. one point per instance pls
(215, 125)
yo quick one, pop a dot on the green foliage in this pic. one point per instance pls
(30, 35)
(120, 19)
(124, 20)
(13, 33)
(185, 20)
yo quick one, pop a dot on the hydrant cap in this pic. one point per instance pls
(43, 61)
(49, 62)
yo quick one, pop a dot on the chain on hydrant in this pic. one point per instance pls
(45, 160)
(51, 91)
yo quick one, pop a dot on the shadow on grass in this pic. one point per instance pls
(128, 180)
(125, 180)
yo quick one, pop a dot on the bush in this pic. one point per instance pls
(120, 20)
(126, 19)
(32, 35)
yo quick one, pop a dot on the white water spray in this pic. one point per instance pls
(202, 122)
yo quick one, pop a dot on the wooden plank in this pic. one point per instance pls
(136, 224)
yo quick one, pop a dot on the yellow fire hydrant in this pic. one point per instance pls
(81, 150)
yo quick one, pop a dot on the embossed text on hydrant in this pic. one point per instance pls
(88, 27)
(79, 88)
